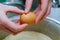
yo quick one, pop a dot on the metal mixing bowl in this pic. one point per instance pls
(48, 26)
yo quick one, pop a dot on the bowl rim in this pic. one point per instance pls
(47, 18)
(54, 20)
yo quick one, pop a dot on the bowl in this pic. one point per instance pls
(48, 26)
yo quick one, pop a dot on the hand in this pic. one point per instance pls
(41, 11)
(6, 24)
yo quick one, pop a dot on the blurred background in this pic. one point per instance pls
(55, 14)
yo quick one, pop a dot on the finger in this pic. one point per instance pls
(7, 8)
(23, 27)
(38, 18)
(28, 5)
(48, 11)
(36, 11)
(12, 26)
(15, 9)
(42, 12)
(20, 29)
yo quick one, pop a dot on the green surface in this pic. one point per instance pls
(2, 1)
(35, 4)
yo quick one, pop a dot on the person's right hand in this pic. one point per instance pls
(6, 24)
(41, 11)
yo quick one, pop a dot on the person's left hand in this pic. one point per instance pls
(6, 24)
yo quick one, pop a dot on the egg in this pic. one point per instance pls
(28, 18)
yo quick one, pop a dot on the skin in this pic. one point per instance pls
(6, 24)
(41, 11)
